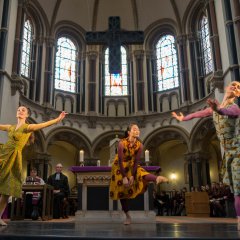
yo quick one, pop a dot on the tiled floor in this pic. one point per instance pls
(164, 228)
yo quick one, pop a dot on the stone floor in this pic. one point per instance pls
(164, 228)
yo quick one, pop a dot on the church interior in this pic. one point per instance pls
(110, 63)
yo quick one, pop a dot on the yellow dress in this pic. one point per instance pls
(117, 189)
(11, 161)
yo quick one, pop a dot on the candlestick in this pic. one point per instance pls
(98, 163)
(81, 156)
(146, 156)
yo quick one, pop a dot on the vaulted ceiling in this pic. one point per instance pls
(92, 15)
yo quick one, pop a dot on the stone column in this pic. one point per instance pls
(203, 176)
(184, 71)
(208, 178)
(38, 78)
(189, 172)
(40, 162)
(139, 55)
(149, 85)
(215, 38)
(18, 38)
(48, 75)
(192, 39)
(231, 38)
(33, 70)
(236, 20)
(92, 56)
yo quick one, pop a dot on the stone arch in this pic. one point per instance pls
(72, 136)
(202, 134)
(101, 146)
(164, 134)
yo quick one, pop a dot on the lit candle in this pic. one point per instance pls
(146, 156)
(81, 156)
(98, 163)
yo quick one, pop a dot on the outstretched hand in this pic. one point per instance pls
(213, 104)
(62, 116)
(178, 117)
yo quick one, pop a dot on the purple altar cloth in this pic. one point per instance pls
(77, 169)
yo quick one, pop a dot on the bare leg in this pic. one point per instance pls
(3, 204)
(153, 178)
(128, 219)
(125, 208)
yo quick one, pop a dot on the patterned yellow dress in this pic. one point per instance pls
(129, 161)
(11, 161)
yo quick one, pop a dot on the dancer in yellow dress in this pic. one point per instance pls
(11, 155)
(128, 178)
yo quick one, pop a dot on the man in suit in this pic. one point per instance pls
(61, 191)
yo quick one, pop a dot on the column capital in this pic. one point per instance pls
(217, 80)
(181, 39)
(92, 55)
(192, 37)
(50, 41)
(138, 54)
(17, 84)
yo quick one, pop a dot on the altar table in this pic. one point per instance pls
(94, 203)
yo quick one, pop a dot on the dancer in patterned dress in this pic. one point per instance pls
(128, 178)
(11, 155)
(225, 121)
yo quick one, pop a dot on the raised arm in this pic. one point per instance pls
(232, 111)
(199, 114)
(4, 127)
(35, 127)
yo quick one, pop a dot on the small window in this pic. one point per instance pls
(65, 65)
(167, 64)
(205, 46)
(116, 84)
(26, 49)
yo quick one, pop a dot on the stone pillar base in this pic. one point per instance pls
(114, 216)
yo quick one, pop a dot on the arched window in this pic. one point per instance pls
(116, 84)
(205, 46)
(26, 49)
(167, 63)
(65, 65)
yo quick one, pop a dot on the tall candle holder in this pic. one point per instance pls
(81, 158)
(146, 158)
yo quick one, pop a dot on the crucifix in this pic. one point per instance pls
(114, 38)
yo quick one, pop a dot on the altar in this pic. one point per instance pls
(94, 204)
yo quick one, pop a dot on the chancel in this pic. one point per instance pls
(114, 38)
(108, 64)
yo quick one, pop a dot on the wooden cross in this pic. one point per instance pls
(114, 38)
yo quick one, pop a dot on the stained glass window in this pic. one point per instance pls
(26, 49)
(205, 46)
(167, 64)
(116, 84)
(65, 65)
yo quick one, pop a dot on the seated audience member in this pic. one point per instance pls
(33, 199)
(61, 192)
(164, 203)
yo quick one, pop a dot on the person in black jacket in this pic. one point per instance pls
(61, 192)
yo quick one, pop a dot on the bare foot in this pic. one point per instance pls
(127, 221)
(161, 179)
(2, 223)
